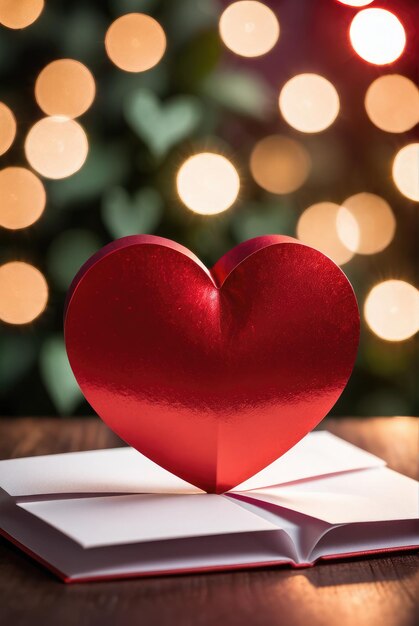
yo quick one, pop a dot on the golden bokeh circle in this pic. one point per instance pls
(309, 103)
(249, 28)
(23, 292)
(406, 171)
(20, 13)
(317, 227)
(279, 164)
(135, 42)
(56, 147)
(7, 128)
(366, 223)
(377, 36)
(208, 183)
(65, 87)
(392, 310)
(392, 103)
(22, 196)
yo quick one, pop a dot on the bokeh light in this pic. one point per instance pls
(309, 103)
(56, 147)
(392, 310)
(20, 13)
(317, 227)
(22, 196)
(135, 42)
(406, 171)
(23, 292)
(7, 128)
(356, 3)
(249, 28)
(366, 223)
(377, 36)
(65, 87)
(208, 183)
(279, 164)
(392, 103)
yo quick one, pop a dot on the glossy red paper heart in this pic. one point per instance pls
(211, 374)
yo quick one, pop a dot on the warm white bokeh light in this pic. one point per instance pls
(56, 147)
(22, 196)
(279, 164)
(20, 13)
(249, 28)
(309, 103)
(377, 36)
(208, 183)
(7, 128)
(65, 87)
(392, 310)
(365, 223)
(406, 171)
(356, 3)
(23, 292)
(317, 228)
(135, 42)
(392, 103)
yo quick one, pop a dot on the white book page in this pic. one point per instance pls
(318, 454)
(113, 520)
(73, 561)
(348, 513)
(350, 539)
(304, 531)
(117, 470)
(373, 495)
(124, 470)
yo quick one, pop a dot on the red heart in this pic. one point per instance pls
(212, 374)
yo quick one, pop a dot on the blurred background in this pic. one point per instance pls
(209, 123)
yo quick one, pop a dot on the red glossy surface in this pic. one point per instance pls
(212, 374)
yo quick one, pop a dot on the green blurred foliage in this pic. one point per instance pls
(266, 218)
(17, 355)
(105, 165)
(68, 252)
(241, 92)
(57, 375)
(141, 127)
(162, 127)
(125, 215)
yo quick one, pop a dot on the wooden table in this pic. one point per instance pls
(359, 592)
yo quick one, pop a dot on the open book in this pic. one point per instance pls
(114, 513)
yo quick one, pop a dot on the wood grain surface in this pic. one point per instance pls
(380, 591)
